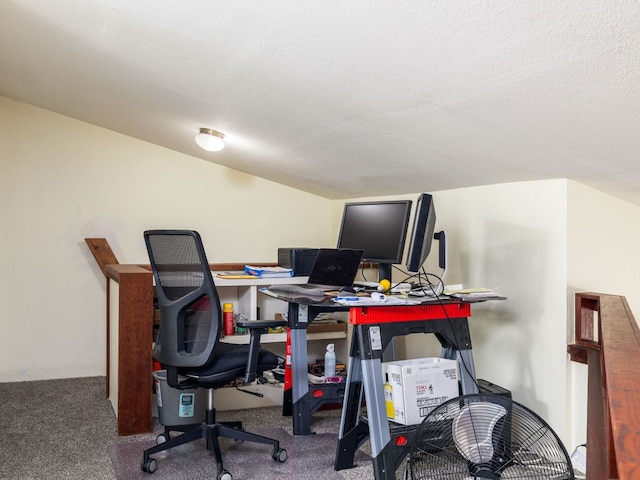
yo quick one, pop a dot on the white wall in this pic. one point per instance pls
(603, 245)
(602, 257)
(63, 180)
(538, 243)
(512, 239)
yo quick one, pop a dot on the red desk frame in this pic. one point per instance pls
(373, 330)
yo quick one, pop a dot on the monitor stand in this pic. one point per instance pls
(389, 354)
(384, 271)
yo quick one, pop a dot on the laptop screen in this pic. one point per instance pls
(335, 266)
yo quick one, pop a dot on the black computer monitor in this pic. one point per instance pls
(424, 223)
(422, 235)
(379, 228)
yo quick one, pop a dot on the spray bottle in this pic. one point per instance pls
(330, 361)
(227, 318)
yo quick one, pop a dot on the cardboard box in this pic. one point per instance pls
(415, 387)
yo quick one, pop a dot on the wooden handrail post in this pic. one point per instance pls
(104, 256)
(608, 340)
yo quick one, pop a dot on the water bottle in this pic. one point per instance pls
(330, 361)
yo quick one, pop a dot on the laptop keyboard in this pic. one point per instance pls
(299, 289)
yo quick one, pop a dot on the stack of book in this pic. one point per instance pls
(268, 272)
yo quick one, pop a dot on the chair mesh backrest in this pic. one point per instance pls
(190, 316)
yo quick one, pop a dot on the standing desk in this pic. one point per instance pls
(373, 329)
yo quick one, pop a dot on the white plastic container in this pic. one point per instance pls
(330, 361)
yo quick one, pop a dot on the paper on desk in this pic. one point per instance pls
(470, 294)
(368, 301)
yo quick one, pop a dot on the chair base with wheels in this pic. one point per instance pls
(210, 431)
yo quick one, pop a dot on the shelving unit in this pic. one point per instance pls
(282, 337)
(247, 299)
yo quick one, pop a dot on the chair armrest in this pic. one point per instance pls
(256, 329)
(254, 324)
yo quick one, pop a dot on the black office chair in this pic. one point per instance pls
(188, 344)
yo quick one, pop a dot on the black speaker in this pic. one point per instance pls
(301, 260)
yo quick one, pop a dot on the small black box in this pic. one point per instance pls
(301, 260)
(487, 387)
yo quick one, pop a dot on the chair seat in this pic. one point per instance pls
(229, 362)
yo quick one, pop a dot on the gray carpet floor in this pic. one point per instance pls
(66, 429)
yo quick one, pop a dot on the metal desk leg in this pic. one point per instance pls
(304, 401)
(467, 369)
(364, 375)
(376, 410)
(300, 382)
(379, 435)
(371, 344)
(352, 432)
(468, 379)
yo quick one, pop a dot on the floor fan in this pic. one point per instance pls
(484, 436)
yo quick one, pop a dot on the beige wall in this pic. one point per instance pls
(63, 180)
(602, 257)
(538, 243)
(512, 238)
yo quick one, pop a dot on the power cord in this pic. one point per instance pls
(421, 283)
(457, 342)
(434, 293)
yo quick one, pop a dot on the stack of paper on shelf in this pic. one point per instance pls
(236, 274)
(477, 294)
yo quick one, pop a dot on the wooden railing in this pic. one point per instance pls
(607, 338)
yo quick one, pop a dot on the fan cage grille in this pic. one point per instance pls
(463, 439)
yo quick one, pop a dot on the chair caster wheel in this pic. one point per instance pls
(162, 438)
(149, 466)
(225, 475)
(280, 455)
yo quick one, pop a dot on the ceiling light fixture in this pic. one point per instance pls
(210, 140)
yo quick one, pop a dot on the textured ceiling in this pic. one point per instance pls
(349, 99)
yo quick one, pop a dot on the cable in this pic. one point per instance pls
(435, 294)
(362, 270)
(457, 342)
(423, 282)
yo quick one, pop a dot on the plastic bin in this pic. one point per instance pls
(179, 407)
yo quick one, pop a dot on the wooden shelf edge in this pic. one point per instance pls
(578, 353)
(282, 337)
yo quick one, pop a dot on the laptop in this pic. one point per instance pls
(333, 269)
